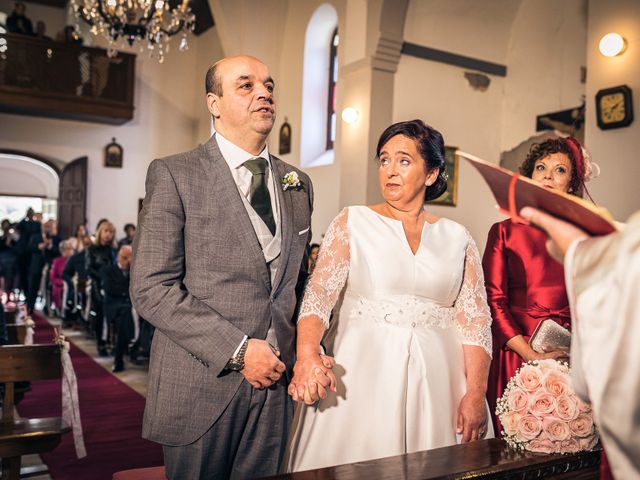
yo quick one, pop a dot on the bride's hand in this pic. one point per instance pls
(472, 417)
(311, 376)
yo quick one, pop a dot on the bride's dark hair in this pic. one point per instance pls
(430, 145)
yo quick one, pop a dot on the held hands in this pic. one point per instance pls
(262, 365)
(312, 376)
(472, 417)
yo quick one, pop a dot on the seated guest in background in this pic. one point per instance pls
(100, 255)
(117, 304)
(524, 284)
(75, 276)
(130, 234)
(77, 241)
(415, 349)
(18, 22)
(56, 280)
(314, 248)
(603, 274)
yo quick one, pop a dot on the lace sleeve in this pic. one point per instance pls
(331, 272)
(473, 318)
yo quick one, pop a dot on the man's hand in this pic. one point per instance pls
(472, 417)
(312, 376)
(262, 367)
(561, 233)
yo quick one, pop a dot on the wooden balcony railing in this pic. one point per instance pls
(52, 79)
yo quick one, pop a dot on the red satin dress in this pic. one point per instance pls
(524, 286)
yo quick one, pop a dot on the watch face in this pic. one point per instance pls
(612, 107)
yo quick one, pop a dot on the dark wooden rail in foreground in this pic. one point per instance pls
(482, 459)
(61, 80)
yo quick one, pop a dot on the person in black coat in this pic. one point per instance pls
(18, 22)
(38, 244)
(100, 255)
(26, 228)
(117, 304)
(77, 266)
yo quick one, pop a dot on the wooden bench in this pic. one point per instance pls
(16, 333)
(26, 436)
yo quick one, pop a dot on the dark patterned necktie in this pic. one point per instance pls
(259, 193)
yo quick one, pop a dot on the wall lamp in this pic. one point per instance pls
(612, 44)
(350, 115)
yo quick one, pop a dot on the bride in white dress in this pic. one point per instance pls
(411, 332)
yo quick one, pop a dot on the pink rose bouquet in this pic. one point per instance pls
(540, 412)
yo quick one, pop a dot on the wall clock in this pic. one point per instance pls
(614, 107)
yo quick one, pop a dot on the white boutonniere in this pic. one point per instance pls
(291, 180)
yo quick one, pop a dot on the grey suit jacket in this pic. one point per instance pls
(199, 276)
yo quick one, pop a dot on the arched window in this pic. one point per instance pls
(317, 129)
(333, 79)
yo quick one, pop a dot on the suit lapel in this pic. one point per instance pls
(227, 194)
(286, 219)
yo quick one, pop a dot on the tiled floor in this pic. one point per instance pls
(134, 375)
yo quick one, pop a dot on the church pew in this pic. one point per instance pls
(16, 333)
(26, 436)
(484, 459)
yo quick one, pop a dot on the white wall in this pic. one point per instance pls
(169, 107)
(523, 35)
(547, 47)
(326, 179)
(616, 151)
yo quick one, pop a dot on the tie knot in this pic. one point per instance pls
(256, 166)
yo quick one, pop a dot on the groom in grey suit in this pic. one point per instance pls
(217, 259)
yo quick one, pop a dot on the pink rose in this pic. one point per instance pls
(556, 383)
(542, 403)
(530, 378)
(556, 429)
(541, 445)
(529, 427)
(588, 443)
(570, 445)
(582, 425)
(550, 364)
(566, 407)
(509, 422)
(518, 400)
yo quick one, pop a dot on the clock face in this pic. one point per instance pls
(612, 108)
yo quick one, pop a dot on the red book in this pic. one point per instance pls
(513, 192)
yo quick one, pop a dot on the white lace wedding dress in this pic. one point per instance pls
(397, 336)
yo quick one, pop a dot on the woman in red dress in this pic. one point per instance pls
(524, 284)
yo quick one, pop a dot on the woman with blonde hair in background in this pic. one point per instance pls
(99, 255)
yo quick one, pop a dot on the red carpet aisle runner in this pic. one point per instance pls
(111, 414)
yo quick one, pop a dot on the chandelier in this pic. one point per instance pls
(128, 21)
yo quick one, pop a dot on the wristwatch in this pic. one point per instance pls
(236, 363)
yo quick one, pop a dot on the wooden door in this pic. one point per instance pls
(72, 198)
